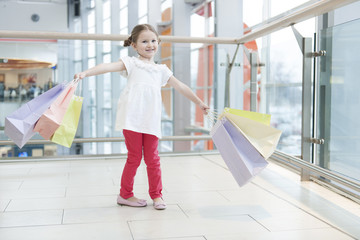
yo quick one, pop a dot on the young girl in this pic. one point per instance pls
(139, 111)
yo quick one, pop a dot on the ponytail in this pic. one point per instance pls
(128, 41)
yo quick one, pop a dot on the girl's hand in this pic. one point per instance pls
(80, 75)
(204, 108)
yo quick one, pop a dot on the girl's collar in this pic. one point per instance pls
(147, 65)
(151, 61)
(146, 60)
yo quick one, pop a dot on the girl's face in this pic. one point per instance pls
(146, 45)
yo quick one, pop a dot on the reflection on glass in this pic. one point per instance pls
(339, 99)
(123, 3)
(91, 19)
(283, 89)
(123, 18)
(107, 26)
(106, 9)
(143, 8)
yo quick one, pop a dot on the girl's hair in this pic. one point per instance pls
(136, 32)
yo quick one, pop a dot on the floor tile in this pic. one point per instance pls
(9, 184)
(34, 193)
(106, 189)
(3, 204)
(93, 231)
(121, 213)
(193, 227)
(60, 181)
(30, 218)
(195, 198)
(323, 233)
(291, 220)
(61, 203)
(14, 173)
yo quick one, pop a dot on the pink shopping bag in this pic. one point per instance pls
(52, 118)
(241, 157)
(65, 134)
(19, 125)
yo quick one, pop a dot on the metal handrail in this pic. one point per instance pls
(348, 182)
(312, 10)
(110, 139)
(110, 37)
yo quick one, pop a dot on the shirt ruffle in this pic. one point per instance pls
(151, 67)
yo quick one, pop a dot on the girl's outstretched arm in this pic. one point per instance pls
(101, 69)
(187, 92)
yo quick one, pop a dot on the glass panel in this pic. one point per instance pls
(259, 12)
(107, 47)
(78, 50)
(123, 18)
(252, 12)
(123, 3)
(77, 26)
(92, 3)
(143, 7)
(91, 19)
(279, 7)
(107, 26)
(91, 48)
(143, 20)
(106, 9)
(280, 86)
(165, 4)
(339, 99)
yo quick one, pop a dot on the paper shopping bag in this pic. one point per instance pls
(65, 134)
(263, 137)
(242, 159)
(19, 125)
(259, 117)
(52, 118)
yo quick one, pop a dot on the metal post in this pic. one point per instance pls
(229, 66)
(305, 45)
(253, 80)
(227, 82)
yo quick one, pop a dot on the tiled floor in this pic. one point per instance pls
(77, 200)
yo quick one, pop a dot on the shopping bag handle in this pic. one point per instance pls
(76, 80)
(78, 88)
(212, 116)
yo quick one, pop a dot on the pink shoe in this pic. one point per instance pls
(124, 202)
(159, 205)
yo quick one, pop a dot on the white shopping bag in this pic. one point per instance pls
(242, 158)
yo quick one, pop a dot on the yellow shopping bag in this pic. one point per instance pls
(65, 134)
(262, 136)
(259, 117)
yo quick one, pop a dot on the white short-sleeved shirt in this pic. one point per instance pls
(140, 104)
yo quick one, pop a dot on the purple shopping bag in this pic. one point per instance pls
(51, 119)
(241, 157)
(19, 124)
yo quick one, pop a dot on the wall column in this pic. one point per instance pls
(181, 69)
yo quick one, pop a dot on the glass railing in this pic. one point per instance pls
(338, 113)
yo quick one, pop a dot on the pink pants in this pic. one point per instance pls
(135, 143)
